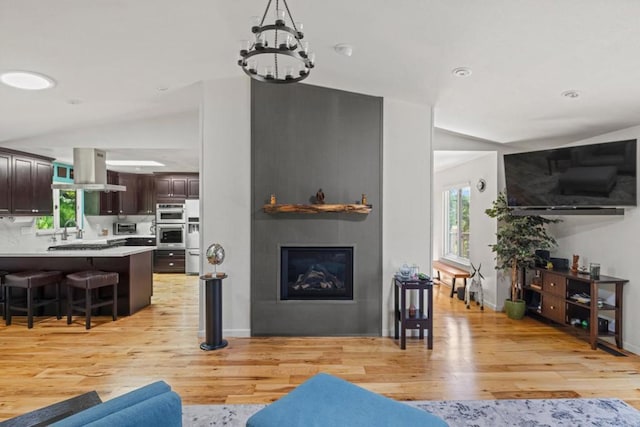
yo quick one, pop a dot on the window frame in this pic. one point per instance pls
(447, 251)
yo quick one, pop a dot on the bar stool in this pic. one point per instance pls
(30, 281)
(3, 295)
(89, 281)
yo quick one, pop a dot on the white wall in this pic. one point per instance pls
(483, 228)
(225, 194)
(610, 241)
(406, 190)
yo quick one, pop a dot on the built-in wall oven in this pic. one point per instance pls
(170, 236)
(170, 213)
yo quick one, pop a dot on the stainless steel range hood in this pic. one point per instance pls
(89, 172)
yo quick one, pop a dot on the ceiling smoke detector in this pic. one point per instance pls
(461, 72)
(570, 94)
(343, 49)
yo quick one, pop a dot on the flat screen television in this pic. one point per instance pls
(585, 176)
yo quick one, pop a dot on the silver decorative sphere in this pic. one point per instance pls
(215, 254)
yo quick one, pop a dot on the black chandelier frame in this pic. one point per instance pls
(258, 48)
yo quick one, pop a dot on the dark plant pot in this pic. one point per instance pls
(515, 309)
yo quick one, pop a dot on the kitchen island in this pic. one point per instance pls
(134, 264)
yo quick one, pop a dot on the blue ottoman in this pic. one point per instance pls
(325, 400)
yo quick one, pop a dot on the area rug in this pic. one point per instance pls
(457, 413)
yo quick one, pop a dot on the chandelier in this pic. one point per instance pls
(277, 54)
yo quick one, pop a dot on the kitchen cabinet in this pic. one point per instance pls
(146, 195)
(140, 241)
(193, 187)
(171, 188)
(109, 200)
(169, 261)
(31, 180)
(128, 200)
(5, 183)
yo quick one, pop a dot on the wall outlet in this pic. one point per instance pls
(26, 230)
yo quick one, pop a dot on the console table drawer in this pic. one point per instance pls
(553, 308)
(554, 284)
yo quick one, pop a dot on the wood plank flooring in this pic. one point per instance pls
(476, 355)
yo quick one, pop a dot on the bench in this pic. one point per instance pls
(454, 272)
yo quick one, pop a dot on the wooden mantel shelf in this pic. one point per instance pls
(319, 208)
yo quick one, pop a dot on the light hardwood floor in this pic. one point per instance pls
(476, 355)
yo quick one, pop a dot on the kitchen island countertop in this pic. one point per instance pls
(116, 251)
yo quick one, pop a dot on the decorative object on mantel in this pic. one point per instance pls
(317, 208)
(320, 197)
(283, 56)
(574, 264)
(272, 200)
(364, 199)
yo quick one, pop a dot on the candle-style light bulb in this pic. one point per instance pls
(299, 28)
(261, 42)
(255, 24)
(286, 43)
(245, 46)
(312, 58)
(252, 65)
(268, 72)
(304, 49)
(280, 16)
(288, 71)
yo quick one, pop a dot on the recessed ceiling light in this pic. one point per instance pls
(570, 94)
(461, 72)
(74, 101)
(133, 163)
(27, 80)
(343, 49)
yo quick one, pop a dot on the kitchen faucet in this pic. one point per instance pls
(65, 234)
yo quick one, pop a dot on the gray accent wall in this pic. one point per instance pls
(304, 138)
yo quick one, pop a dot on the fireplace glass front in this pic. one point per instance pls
(316, 273)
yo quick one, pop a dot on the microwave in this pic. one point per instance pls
(124, 228)
(170, 236)
(167, 213)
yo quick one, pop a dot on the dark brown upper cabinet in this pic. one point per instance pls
(146, 194)
(193, 187)
(31, 179)
(173, 188)
(5, 183)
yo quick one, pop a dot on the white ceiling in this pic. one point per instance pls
(113, 55)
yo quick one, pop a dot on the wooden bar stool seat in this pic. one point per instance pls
(31, 281)
(3, 295)
(90, 281)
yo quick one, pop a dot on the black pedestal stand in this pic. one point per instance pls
(213, 325)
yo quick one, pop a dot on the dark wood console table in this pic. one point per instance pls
(552, 294)
(420, 320)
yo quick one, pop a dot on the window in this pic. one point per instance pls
(456, 227)
(64, 209)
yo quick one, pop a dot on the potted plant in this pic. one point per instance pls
(518, 237)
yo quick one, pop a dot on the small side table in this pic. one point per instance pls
(421, 320)
(213, 323)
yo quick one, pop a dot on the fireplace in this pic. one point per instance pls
(316, 273)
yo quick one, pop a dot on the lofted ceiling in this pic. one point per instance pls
(116, 60)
